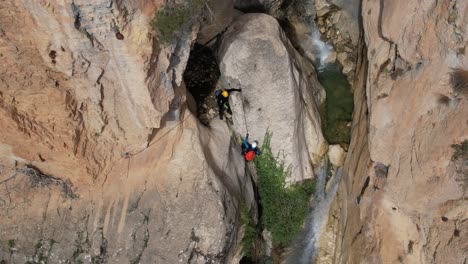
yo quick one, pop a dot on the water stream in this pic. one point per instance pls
(320, 48)
(337, 114)
(306, 246)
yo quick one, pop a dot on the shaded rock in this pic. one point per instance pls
(381, 170)
(271, 7)
(216, 19)
(280, 91)
(338, 21)
(322, 7)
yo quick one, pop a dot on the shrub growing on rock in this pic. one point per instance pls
(250, 232)
(284, 208)
(459, 81)
(172, 20)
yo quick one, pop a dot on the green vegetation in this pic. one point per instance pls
(11, 243)
(171, 20)
(460, 159)
(11, 246)
(461, 151)
(459, 81)
(250, 233)
(338, 109)
(284, 209)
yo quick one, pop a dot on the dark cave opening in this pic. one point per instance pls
(201, 77)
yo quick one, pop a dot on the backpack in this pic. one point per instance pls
(250, 155)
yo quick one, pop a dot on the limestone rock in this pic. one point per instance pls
(152, 208)
(219, 16)
(336, 155)
(322, 7)
(416, 213)
(280, 91)
(343, 58)
(107, 94)
(125, 173)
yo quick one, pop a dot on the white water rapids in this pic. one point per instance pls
(320, 48)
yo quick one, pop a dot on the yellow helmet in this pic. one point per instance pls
(225, 93)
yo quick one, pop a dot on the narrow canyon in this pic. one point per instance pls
(115, 148)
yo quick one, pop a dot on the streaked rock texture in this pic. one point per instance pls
(280, 91)
(403, 199)
(100, 160)
(72, 86)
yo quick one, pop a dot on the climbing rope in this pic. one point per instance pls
(245, 121)
(165, 134)
(129, 156)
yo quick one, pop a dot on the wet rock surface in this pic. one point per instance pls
(339, 25)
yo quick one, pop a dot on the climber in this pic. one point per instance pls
(222, 96)
(250, 150)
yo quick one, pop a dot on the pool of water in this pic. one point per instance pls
(337, 111)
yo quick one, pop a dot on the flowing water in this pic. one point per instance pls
(337, 113)
(306, 246)
(321, 49)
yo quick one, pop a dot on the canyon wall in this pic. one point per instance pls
(100, 159)
(403, 197)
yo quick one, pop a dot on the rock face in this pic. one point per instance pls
(100, 160)
(280, 91)
(106, 93)
(403, 199)
(151, 208)
(220, 16)
(338, 22)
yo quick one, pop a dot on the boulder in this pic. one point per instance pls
(280, 91)
(331, 58)
(336, 155)
(322, 7)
